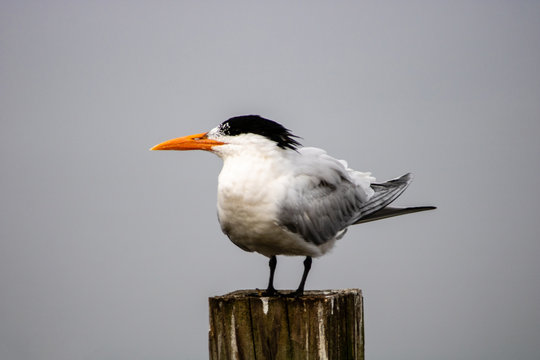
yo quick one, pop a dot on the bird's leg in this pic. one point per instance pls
(270, 291)
(307, 267)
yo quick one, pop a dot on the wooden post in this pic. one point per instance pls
(325, 324)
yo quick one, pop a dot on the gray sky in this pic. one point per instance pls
(109, 251)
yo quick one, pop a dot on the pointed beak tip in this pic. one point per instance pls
(190, 142)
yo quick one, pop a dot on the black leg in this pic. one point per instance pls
(270, 291)
(307, 267)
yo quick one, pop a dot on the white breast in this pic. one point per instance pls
(250, 189)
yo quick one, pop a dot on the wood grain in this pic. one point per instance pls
(318, 325)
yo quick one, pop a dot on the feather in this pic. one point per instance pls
(391, 212)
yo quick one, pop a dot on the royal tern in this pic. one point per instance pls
(278, 198)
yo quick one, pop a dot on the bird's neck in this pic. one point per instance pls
(251, 168)
(252, 172)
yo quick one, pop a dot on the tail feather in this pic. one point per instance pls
(391, 212)
(385, 193)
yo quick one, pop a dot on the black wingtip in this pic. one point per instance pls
(407, 178)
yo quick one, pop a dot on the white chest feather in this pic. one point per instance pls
(249, 192)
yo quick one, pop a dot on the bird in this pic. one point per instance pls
(276, 197)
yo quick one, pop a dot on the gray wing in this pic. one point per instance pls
(320, 211)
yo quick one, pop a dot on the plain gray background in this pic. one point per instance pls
(109, 251)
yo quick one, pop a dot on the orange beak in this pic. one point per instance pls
(191, 142)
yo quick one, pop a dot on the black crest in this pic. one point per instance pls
(255, 124)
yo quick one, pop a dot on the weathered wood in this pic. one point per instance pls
(319, 325)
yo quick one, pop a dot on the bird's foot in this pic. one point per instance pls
(270, 292)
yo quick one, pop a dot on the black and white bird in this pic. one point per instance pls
(276, 197)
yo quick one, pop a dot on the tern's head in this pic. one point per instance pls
(237, 132)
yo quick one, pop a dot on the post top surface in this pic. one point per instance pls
(256, 293)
